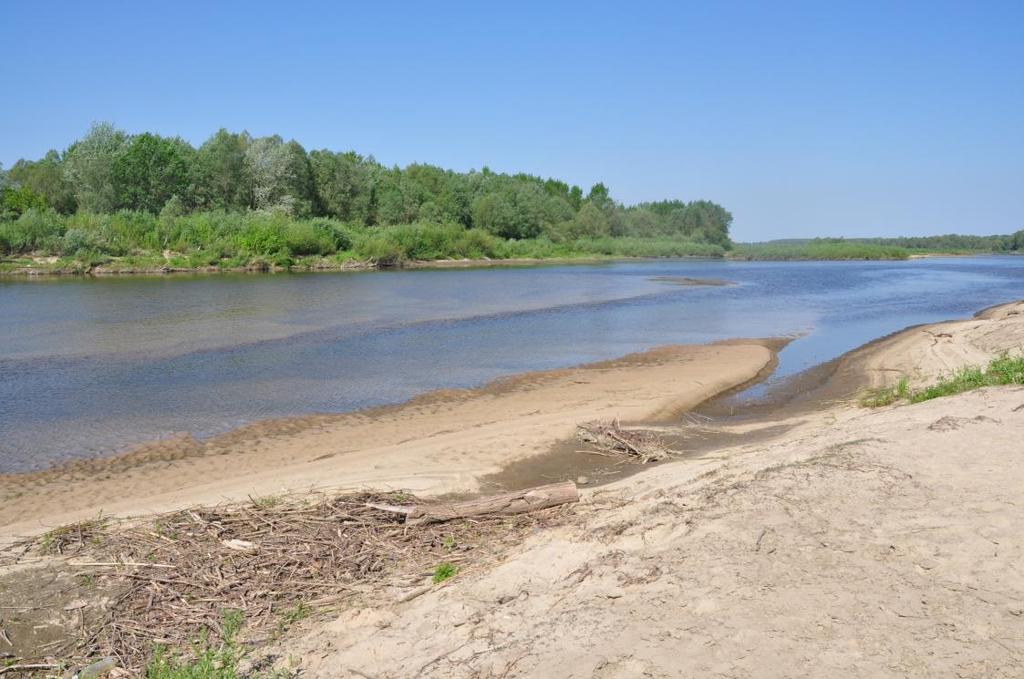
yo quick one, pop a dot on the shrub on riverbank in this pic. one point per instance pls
(140, 241)
(395, 244)
(647, 247)
(818, 248)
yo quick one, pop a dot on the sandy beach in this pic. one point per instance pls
(442, 442)
(817, 536)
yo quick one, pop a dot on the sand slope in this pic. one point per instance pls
(442, 442)
(859, 544)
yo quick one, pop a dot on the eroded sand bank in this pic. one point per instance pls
(441, 442)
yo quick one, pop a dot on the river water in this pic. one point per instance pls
(91, 366)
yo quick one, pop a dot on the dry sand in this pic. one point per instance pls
(442, 442)
(859, 543)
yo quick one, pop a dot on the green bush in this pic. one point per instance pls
(378, 248)
(266, 239)
(818, 248)
(36, 230)
(394, 244)
(317, 237)
(647, 247)
(303, 238)
(262, 236)
(6, 238)
(76, 240)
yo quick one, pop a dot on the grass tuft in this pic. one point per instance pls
(1001, 371)
(208, 661)
(444, 571)
(888, 395)
(296, 613)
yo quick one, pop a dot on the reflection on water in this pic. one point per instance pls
(90, 366)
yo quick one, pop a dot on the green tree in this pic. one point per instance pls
(599, 197)
(220, 172)
(643, 223)
(46, 177)
(494, 213)
(89, 167)
(280, 176)
(592, 221)
(232, 173)
(1016, 241)
(343, 184)
(16, 200)
(151, 170)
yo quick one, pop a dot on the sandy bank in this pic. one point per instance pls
(441, 442)
(882, 543)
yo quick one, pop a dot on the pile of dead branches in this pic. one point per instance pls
(639, 446)
(178, 573)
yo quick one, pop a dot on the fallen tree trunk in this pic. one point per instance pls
(515, 502)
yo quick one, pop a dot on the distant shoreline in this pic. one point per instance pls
(324, 267)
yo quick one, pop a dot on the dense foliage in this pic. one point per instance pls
(818, 248)
(956, 242)
(878, 248)
(237, 197)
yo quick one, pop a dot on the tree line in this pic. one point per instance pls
(957, 242)
(109, 171)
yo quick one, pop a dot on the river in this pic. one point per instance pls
(90, 366)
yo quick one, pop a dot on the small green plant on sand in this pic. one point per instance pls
(888, 395)
(290, 616)
(444, 571)
(266, 501)
(449, 542)
(960, 381)
(210, 661)
(1001, 371)
(73, 535)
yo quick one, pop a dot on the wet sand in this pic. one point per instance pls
(512, 433)
(729, 419)
(442, 442)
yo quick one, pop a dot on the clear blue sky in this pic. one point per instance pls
(803, 119)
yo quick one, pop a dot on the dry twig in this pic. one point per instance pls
(634, 445)
(177, 573)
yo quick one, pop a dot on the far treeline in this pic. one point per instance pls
(146, 202)
(879, 248)
(237, 200)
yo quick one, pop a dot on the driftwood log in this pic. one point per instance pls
(515, 502)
